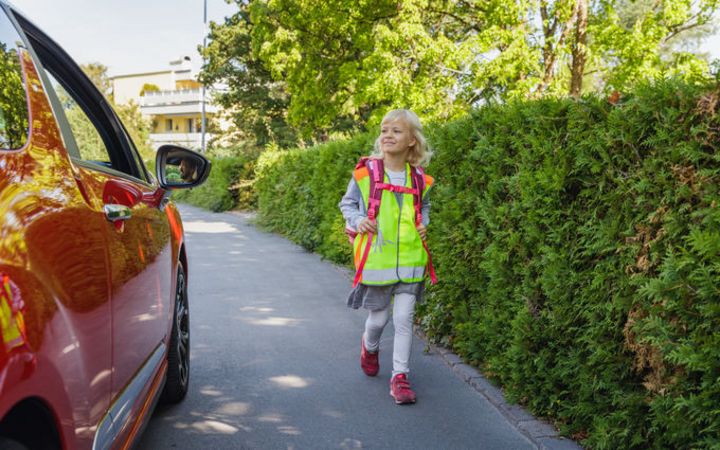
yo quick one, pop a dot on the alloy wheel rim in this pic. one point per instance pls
(182, 317)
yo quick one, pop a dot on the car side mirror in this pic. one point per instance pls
(180, 168)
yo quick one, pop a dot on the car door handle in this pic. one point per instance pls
(115, 212)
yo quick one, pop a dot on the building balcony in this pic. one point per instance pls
(182, 101)
(189, 140)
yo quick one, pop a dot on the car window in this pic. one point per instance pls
(143, 173)
(13, 101)
(91, 131)
(89, 142)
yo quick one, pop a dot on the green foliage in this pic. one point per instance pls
(298, 191)
(97, 73)
(149, 87)
(13, 103)
(90, 143)
(257, 103)
(321, 66)
(137, 126)
(577, 249)
(636, 40)
(344, 59)
(230, 185)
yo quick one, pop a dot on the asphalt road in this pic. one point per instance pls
(275, 360)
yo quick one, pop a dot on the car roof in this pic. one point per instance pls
(17, 11)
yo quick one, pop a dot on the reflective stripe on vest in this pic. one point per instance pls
(396, 252)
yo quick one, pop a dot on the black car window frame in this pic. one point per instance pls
(49, 56)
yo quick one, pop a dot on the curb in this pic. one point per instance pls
(539, 432)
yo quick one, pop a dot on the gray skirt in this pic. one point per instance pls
(379, 297)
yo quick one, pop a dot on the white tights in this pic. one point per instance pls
(403, 314)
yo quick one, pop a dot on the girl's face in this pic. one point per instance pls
(396, 137)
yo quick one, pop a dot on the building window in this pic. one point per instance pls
(168, 124)
(190, 125)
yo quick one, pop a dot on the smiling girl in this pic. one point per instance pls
(390, 252)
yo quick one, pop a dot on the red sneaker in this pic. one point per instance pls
(400, 390)
(368, 361)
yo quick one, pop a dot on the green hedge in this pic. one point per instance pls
(299, 190)
(578, 250)
(230, 185)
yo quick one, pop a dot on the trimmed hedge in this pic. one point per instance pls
(229, 186)
(578, 250)
(299, 190)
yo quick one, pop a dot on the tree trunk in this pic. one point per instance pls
(579, 49)
(550, 52)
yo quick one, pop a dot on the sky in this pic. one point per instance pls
(127, 36)
(132, 36)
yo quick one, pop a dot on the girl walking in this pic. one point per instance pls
(386, 205)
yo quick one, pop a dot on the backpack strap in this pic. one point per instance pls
(418, 182)
(376, 168)
(376, 171)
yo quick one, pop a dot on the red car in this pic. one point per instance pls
(93, 267)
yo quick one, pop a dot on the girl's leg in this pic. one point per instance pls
(374, 326)
(403, 316)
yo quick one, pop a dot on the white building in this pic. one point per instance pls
(172, 99)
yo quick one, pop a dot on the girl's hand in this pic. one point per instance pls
(367, 226)
(422, 231)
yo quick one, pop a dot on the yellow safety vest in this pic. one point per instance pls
(397, 253)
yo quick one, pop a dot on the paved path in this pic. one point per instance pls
(275, 360)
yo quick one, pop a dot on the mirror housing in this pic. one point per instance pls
(180, 168)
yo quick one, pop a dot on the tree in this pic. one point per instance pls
(97, 73)
(353, 60)
(639, 39)
(13, 106)
(257, 103)
(137, 126)
(337, 63)
(579, 48)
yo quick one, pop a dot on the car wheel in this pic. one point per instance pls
(9, 444)
(178, 372)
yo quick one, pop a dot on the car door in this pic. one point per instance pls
(137, 233)
(53, 260)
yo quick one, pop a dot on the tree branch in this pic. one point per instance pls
(456, 17)
(550, 53)
(675, 31)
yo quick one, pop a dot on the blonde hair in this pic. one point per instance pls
(420, 153)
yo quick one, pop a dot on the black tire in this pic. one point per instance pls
(178, 372)
(9, 444)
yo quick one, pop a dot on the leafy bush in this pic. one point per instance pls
(298, 192)
(578, 252)
(576, 244)
(229, 186)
